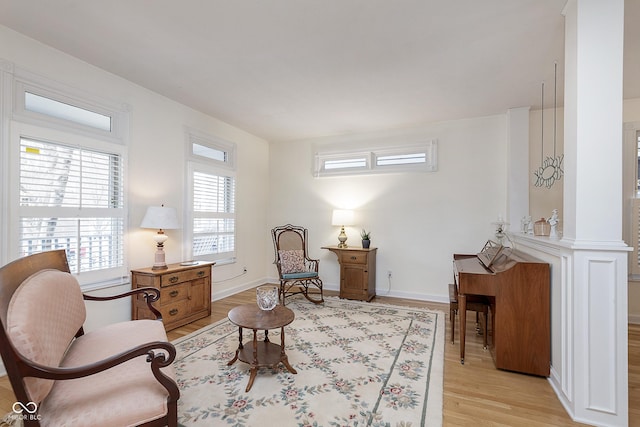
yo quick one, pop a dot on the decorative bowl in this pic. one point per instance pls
(267, 297)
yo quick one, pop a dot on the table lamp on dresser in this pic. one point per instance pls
(340, 218)
(160, 218)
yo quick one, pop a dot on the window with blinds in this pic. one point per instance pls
(211, 220)
(213, 215)
(71, 198)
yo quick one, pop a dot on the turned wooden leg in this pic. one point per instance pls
(462, 312)
(283, 357)
(252, 377)
(232, 361)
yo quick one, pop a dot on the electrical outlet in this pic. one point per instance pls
(389, 274)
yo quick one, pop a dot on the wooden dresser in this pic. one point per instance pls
(185, 293)
(357, 272)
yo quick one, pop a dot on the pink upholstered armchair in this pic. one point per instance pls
(117, 375)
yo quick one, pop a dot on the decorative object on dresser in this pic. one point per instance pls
(115, 375)
(297, 272)
(160, 218)
(185, 292)
(341, 218)
(357, 272)
(366, 238)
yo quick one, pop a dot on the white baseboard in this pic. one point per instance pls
(217, 295)
(381, 292)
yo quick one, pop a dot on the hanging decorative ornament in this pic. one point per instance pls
(550, 170)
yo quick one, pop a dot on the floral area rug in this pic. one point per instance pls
(358, 364)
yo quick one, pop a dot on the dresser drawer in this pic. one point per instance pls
(353, 257)
(171, 294)
(170, 279)
(175, 311)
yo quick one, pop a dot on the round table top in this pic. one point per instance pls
(250, 316)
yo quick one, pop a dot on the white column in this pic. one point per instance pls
(593, 120)
(594, 381)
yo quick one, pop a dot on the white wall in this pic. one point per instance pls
(417, 220)
(156, 170)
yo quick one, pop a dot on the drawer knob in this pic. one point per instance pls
(353, 257)
(200, 273)
(173, 279)
(173, 312)
(173, 293)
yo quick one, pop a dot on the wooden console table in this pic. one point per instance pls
(357, 272)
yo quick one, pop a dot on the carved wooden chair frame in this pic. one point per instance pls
(292, 237)
(158, 354)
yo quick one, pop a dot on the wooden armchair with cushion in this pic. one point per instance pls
(118, 375)
(296, 270)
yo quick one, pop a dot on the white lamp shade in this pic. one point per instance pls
(162, 218)
(342, 217)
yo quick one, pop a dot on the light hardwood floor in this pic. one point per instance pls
(475, 394)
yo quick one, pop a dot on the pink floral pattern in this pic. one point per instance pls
(291, 261)
(358, 364)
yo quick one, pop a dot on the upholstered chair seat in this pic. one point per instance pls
(127, 394)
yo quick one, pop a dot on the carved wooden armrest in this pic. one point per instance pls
(150, 295)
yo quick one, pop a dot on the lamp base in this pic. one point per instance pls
(159, 263)
(342, 238)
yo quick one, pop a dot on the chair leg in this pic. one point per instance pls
(281, 293)
(452, 317)
(485, 328)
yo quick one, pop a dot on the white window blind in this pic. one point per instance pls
(214, 228)
(72, 198)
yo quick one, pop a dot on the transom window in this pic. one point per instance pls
(419, 158)
(60, 110)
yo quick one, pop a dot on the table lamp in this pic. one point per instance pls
(160, 218)
(342, 217)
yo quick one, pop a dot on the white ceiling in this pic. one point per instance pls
(296, 69)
